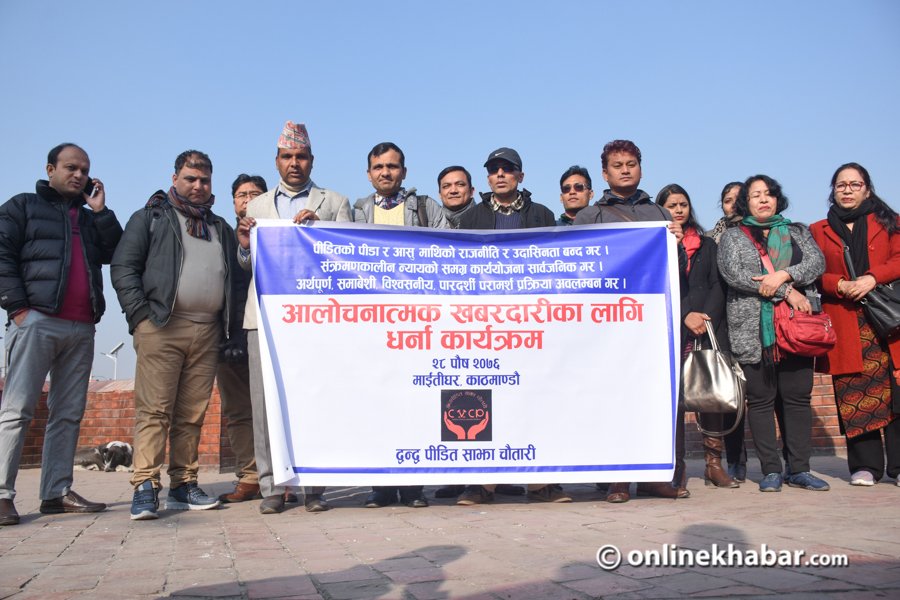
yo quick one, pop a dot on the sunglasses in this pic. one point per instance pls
(507, 167)
(578, 187)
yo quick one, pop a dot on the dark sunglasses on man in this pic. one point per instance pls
(579, 187)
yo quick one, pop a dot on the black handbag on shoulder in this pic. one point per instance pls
(881, 305)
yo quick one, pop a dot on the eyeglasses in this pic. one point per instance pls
(854, 186)
(578, 187)
(493, 168)
(247, 195)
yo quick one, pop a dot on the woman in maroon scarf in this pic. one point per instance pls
(702, 299)
(864, 368)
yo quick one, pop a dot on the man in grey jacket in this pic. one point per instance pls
(299, 199)
(392, 204)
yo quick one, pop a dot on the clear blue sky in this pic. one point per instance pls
(711, 91)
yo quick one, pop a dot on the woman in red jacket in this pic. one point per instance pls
(864, 368)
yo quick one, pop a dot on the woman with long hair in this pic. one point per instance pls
(735, 449)
(862, 365)
(773, 376)
(702, 300)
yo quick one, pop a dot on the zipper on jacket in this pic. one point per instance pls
(64, 274)
(177, 231)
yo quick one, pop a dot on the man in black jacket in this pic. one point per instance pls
(505, 207)
(51, 252)
(233, 375)
(174, 276)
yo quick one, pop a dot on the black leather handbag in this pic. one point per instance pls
(881, 305)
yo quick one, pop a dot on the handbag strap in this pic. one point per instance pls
(711, 334)
(764, 256)
(848, 260)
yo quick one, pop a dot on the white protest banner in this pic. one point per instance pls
(399, 356)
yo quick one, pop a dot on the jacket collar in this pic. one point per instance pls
(43, 189)
(639, 197)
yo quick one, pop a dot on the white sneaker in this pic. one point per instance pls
(862, 478)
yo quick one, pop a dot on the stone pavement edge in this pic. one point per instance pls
(511, 549)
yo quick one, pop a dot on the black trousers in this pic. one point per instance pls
(788, 383)
(735, 449)
(866, 452)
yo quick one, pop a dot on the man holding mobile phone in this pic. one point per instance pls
(52, 246)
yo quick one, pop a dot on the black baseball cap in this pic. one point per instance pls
(507, 154)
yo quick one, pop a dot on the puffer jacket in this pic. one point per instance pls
(36, 250)
(739, 262)
(147, 266)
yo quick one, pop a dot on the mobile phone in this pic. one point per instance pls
(89, 187)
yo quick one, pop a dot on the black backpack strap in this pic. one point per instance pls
(422, 210)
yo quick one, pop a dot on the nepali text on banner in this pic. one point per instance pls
(400, 356)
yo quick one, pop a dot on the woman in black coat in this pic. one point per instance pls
(702, 300)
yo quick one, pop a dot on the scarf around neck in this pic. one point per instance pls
(780, 251)
(691, 243)
(858, 239)
(196, 214)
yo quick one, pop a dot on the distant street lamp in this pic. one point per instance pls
(112, 354)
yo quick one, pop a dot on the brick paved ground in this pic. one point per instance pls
(510, 549)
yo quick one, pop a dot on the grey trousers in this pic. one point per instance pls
(260, 424)
(65, 350)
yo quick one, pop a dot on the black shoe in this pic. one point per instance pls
(379, 498)
(272, 505)
(70, 503)
(474, 494)
(8, 514)
(315, 503)
(505, 489)
(413, 498)
(449, 491)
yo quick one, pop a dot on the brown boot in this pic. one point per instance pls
(660, 489)
(242, 492)
(713, 447)
(618, 493)
(679, 476)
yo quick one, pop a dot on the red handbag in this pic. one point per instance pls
(801, 333)
(798, 332)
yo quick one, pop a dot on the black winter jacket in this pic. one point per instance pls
(147, 266)
(703, 291)
(483, 217)
(36, 250)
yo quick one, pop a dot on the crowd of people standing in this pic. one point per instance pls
(181, 274)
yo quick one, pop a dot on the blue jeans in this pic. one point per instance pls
(40, 345)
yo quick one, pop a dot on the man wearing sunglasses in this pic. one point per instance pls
(505, 206)
(575, 193)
